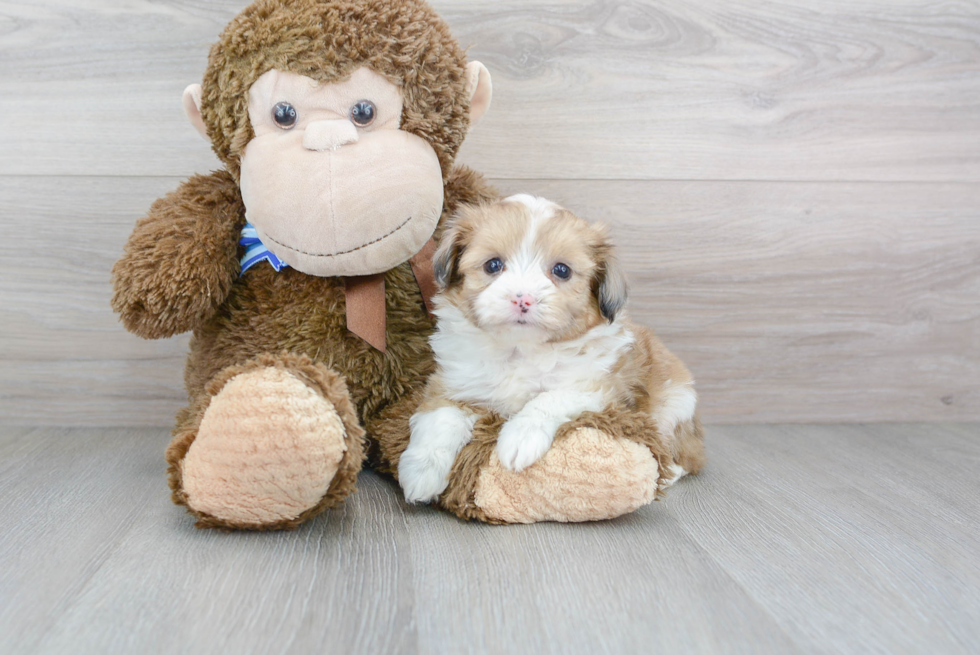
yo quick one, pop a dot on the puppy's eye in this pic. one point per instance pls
(362, 113)
(561, 271)
(284, 114)
(493, 266)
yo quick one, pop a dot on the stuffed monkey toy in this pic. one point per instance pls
(303, 269)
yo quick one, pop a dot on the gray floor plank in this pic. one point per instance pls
(811, 539)
(637, 584)
(846, 569)
(343, 581)
(915, 469)
(69, 499)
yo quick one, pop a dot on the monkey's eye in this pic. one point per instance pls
(284, 114)
(362, 113)
(493, 266)
(561, 271)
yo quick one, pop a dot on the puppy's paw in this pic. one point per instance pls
(437, 437)
(523, 440)
(423, 472)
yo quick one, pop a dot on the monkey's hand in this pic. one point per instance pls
(181, 259)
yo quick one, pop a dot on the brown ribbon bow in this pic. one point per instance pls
(365, 294)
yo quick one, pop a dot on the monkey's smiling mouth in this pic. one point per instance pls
(342, 252)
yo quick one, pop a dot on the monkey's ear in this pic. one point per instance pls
(480, 89)
(192, 107)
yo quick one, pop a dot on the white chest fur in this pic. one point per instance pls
(504, 371)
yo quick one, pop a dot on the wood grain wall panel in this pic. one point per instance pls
(585, 89)
(789, 301)
(794, 188)
(810, 302)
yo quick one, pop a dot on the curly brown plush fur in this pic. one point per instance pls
(181, 261)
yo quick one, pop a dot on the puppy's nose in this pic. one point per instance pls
(523, 301)
(329, 135)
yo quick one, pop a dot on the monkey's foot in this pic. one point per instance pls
(276, 444)
(588, 476)
(600, 466)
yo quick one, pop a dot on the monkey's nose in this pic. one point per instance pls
(329, 135)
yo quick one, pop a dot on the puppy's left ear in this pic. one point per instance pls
(609, 284)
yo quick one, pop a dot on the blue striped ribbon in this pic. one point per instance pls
(255, 250)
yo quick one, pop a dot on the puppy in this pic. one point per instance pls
(531, 326)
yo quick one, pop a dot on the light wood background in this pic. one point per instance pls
(795, 188)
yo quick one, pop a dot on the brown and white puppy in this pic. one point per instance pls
(531, 325)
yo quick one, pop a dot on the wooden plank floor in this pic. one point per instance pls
(796, 539)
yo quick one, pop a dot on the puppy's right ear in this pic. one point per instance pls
(445, 263)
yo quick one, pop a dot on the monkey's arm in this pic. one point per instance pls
(181, 259)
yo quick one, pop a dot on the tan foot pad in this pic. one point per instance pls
(588, 476)
(266, 451)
